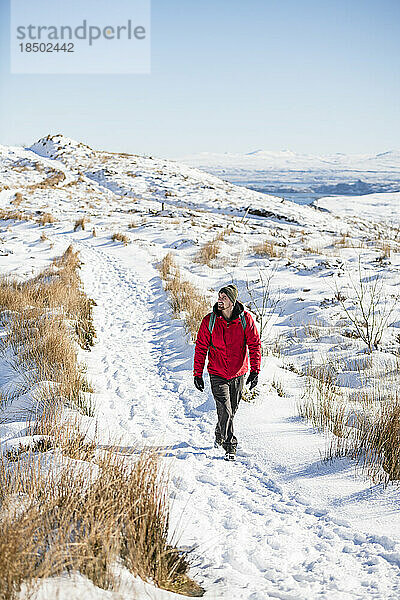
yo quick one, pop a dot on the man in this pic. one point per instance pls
(225, 334)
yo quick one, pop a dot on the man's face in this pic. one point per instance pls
(224, 302)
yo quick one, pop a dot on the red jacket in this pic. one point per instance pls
(228, 358)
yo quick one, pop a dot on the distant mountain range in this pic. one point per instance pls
(287, 172)
(286, 159)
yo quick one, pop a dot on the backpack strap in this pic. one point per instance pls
(244, 324)
(211, 324)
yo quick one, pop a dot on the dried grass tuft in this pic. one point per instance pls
(80, 223)
(269, 249)
(185, 298)
(45, 219)
(86, 519)
(365, 426)
(16, 215)
(18, 198)
(209, 251)
(120, 237)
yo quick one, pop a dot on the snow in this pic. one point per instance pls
(267, 159)
(279, 522)
(285, 172)
(383, 207)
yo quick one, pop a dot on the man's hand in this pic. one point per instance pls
(199, 383)
(252, 379)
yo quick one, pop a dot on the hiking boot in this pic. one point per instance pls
(230, 456)
(230, 448)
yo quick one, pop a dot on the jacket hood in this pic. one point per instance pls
(237, 309)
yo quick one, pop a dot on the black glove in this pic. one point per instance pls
(252, 379)
(199, 383)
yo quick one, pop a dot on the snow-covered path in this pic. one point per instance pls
(256, 539)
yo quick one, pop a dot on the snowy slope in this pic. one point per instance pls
(279, 522)
(372, 206)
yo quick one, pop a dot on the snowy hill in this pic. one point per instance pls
(280, 522)
(57, 146)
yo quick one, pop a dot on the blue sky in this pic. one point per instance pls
(229, 76)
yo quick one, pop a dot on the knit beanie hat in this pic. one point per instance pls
(231, 291)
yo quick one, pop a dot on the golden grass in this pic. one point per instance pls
(52, 180)
(18, 198)
(385, 246)
(385, 237)
(16, 215)
(80, 223)
(345, 241)
(365, 426)
(268, 248)
(45, 219)
(86, 518)
(120, 237)
(323, 412)
(373, 439)
(312, 250)
(209, 251)
(167, 265)
(43, 312)
(185, 297)
(67, 516)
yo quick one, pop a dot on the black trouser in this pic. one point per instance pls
(227, 394)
